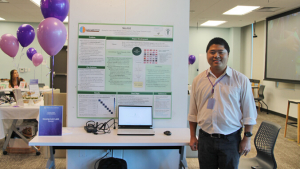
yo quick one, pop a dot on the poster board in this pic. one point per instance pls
(124, 64)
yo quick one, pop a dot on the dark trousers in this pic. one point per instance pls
(223, 153)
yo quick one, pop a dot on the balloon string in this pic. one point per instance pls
(20, 58)
(15, 63)
(52, 77)
(48, 68)
(34, 73)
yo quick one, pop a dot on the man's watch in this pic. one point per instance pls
(248, 134)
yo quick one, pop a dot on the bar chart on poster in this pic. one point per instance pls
(121, 64)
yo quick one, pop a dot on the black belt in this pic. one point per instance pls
(217, 135)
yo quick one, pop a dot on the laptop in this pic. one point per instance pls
(135, 120)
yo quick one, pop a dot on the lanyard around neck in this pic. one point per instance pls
(213, 85)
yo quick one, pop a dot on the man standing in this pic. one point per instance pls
(221, 103)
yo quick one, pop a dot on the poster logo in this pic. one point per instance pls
(136, 51)
(82, 29)
(168, 32)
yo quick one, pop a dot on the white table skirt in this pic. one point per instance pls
(10, 112)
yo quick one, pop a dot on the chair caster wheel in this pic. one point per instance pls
(38, 153)
(4, 152)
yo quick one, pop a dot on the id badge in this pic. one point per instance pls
(211, 103)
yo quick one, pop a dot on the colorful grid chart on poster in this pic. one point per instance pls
(120, 64)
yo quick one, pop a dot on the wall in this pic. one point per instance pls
(155, 12)
(199, 38)
(246, 50)
(234, 60)
(276, 97)
(7, 63)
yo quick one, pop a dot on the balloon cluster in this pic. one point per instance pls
(51, 32)
(192, 59)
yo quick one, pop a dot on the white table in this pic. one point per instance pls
(78, 138)
(26, 90)
(15, 113)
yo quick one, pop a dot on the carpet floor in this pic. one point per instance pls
(287, 151)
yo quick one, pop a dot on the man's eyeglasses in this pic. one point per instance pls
(220, 53)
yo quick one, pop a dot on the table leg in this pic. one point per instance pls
(51, 161)
(298, 123)
(182, 160)
(14, 128)
(287, 118)
(9, 135)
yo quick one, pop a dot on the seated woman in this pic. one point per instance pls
(14, 79)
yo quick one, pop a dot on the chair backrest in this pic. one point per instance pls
(2, 94)
(265, 140)
(261, 91)
(254, 81)
(41, 85)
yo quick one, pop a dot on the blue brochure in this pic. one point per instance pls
(50, 120)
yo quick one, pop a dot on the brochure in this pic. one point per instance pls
(50, 120)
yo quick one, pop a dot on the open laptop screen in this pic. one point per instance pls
(135, 116)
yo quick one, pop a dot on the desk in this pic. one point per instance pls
(298, 120)
(77, 138)
(15, 113)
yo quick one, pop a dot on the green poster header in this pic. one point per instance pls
(91, 37)
(95, 92)
(92, 67)
(162, 93)
(139, 39)
(136, 93)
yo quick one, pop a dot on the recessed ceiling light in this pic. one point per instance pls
(2, 19)
(67, 19)
(212, 23)
(37, 2)
(240, 10)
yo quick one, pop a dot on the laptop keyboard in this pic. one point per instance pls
(135, 131)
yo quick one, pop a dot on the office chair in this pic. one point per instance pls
(261, 97)
(264, 142)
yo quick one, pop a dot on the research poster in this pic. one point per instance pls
(134, 62)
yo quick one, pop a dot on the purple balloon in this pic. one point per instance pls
(55, 8)
(30, 53)
(37, 59)
(52, 35)
(192, 59)
(25, 35)
(9, 45)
